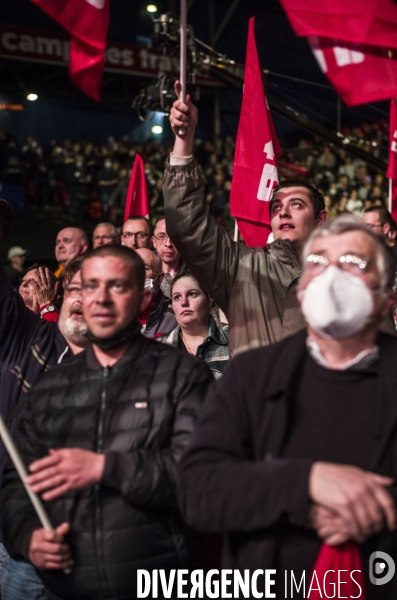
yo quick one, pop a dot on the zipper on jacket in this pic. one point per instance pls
(99, 449)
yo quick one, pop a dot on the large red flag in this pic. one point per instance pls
(136, 203)
(391, 172)
(87, 21)
(354, 42)
(360, 74)
(257, 149)
(372, 22)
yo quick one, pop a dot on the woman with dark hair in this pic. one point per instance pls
(197, 332)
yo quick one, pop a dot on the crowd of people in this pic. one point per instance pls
(166, 382)
(88, 180)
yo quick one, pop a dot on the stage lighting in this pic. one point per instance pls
(32, 97)
(157, 129)
(152, 8)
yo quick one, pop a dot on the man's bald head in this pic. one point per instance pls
(152, 261)
(71, 243)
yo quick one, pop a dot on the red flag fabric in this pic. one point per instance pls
(136, 203)
(331, 560)
(372, 22)
(257, 149)
(87, 21)
(391, 172)
(360, 74)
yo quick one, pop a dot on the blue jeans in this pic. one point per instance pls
(19, 580)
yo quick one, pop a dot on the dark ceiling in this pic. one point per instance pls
(294, 77)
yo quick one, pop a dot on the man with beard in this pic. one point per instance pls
(29, 346)
(158, 317)
(102, 435)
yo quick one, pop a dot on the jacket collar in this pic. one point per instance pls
(386, 397)
(284, 251)
(214, 332)
(135, 349)
(288, 361)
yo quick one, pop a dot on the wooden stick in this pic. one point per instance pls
(23, 474)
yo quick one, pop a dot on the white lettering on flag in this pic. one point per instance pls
(97, 3)
(344, 56)
(394, 142)
(269, 176)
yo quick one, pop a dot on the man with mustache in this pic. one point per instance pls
(29, 346)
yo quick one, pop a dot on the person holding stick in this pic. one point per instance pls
(102, 435)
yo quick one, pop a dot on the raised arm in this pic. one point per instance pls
(205, 246)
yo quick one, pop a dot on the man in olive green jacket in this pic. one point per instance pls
(255, 287)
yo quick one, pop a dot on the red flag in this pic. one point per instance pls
(372, 22)
(136, 202)
(391, 172)
(87, 21)
(257, 149)
(360, 74)
(331, 561)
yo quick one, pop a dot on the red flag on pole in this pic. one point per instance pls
(391, 172)
(136, 202)
(354, 42)
(360, 74)
(87, 21)
(257, 149)
(372, 22)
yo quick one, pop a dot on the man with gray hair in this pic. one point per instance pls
(105, 233)
(307, 456)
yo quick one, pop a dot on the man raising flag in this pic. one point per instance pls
(255, 287)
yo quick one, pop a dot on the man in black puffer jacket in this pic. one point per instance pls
(102, 435)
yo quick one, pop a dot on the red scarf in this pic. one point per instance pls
(144, 314)
(342, 560)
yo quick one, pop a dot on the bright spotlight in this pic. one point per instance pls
(151, 8)
(32, 97)
(157, 129)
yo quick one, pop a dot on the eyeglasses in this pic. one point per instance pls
(73, 290)
(162, 237)
(347, 262)
(140, 235)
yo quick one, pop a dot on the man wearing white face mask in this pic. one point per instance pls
(158, 317)
(310, 437)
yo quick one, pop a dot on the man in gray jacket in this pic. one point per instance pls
(255, 287)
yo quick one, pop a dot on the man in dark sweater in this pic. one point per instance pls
(308, 444)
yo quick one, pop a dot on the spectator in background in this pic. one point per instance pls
(76, 182)
(196, 331)
(40, 293)
(71, 243)
(137, 233)
(354, 204)
(157, 317)
(14, 270)
(382, 223)
(171, 259)
(104, 233)
(107, 181)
